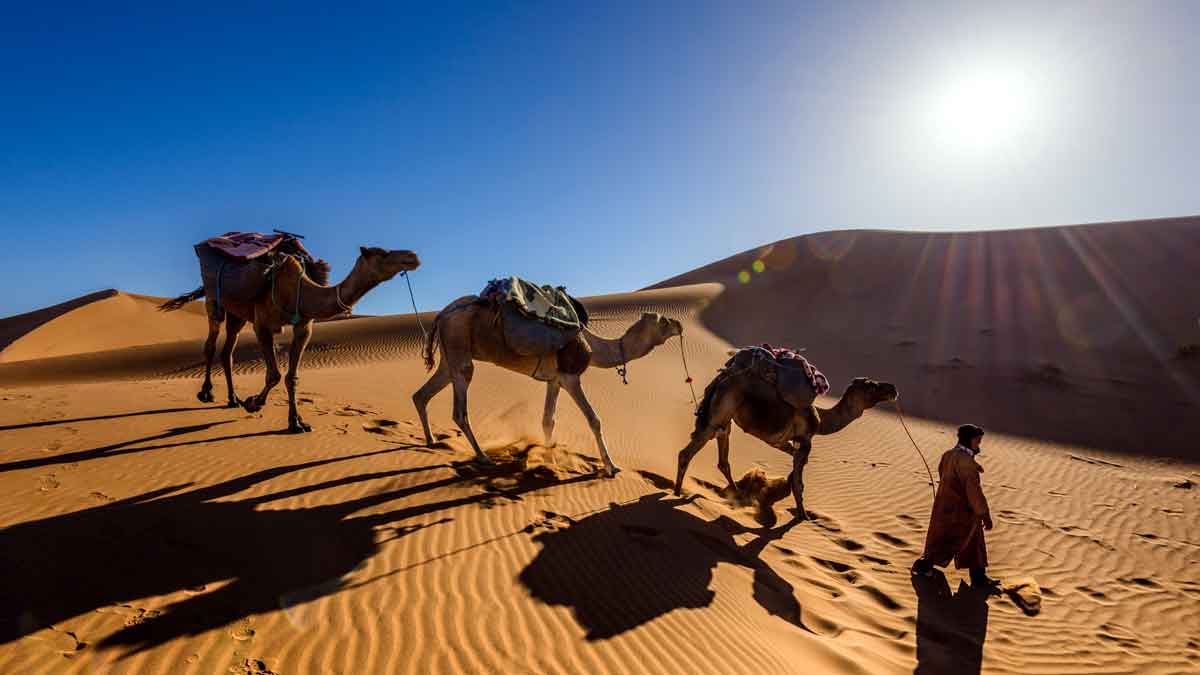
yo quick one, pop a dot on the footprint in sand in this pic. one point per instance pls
(47, 483)
(848, 544)
(381, 426)
(100, 496)
(882, 562)
(1139, 581)
(351, 411)
(824, 522)
(549, 522)
(64, 642)
(251, 666)
(131, 615)
(890, 539)
(242, 631)
(1112, 632)
(833, 565)
(882, 599)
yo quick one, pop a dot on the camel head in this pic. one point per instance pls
(657, 327)
(867, 393)
(381, 264)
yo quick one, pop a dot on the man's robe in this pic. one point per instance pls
(956, 524)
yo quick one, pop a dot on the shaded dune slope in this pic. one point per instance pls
(1081, 334)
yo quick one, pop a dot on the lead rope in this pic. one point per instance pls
(624, 367)
(296, 311)
(424, 335)
(683, 355)
(900, 415)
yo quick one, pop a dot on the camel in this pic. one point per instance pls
(784, 420)
(286, 297)
(467, 331)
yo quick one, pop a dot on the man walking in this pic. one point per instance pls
(960, 513)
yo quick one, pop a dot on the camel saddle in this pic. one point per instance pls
(797, 381)
(536, 320)
(246, 246)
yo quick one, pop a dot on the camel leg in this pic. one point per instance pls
(300, 334)
(552, 388)
(210, 349)
(461, 379)
(723, 455)
(233, 328)
(722, 408)
(266, 343)
(803, 447)
(700, 438)
(422, 397)
(575, 388)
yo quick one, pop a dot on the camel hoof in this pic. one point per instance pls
(485, 460)
(610, 471)
(251, 406)
(233, 403)
(205, 396)
(299, 428)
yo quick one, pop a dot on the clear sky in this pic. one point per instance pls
(600, 145)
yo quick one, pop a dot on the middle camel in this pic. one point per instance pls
(468, 330)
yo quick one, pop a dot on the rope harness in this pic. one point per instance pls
(683, 356)
(920, 454)
(420, 324)
(622, 369)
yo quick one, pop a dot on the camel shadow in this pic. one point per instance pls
(114, 416)
(951, 628)
(175, 540)
(632, 563)
(122, 448)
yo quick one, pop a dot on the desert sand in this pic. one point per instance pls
(144, 532)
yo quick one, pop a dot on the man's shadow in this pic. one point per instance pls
(632, 563)
(951, 628)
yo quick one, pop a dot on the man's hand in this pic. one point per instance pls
(987, 522)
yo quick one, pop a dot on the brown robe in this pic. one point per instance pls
(956, 524)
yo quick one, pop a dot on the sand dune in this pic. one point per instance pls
(145, 532)
(1086, 334)
(99, 321)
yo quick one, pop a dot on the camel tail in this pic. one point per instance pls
(178, 303)
(431, 342)
(704, 411)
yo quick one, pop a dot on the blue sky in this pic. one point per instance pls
(604, 146)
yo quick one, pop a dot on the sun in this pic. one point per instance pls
(982, 108)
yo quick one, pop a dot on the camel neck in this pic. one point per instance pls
(610, 353)
(839, 416)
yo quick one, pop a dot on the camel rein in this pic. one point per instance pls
(683, 356)
(900, 416)
(624, 367)
(420, 324)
